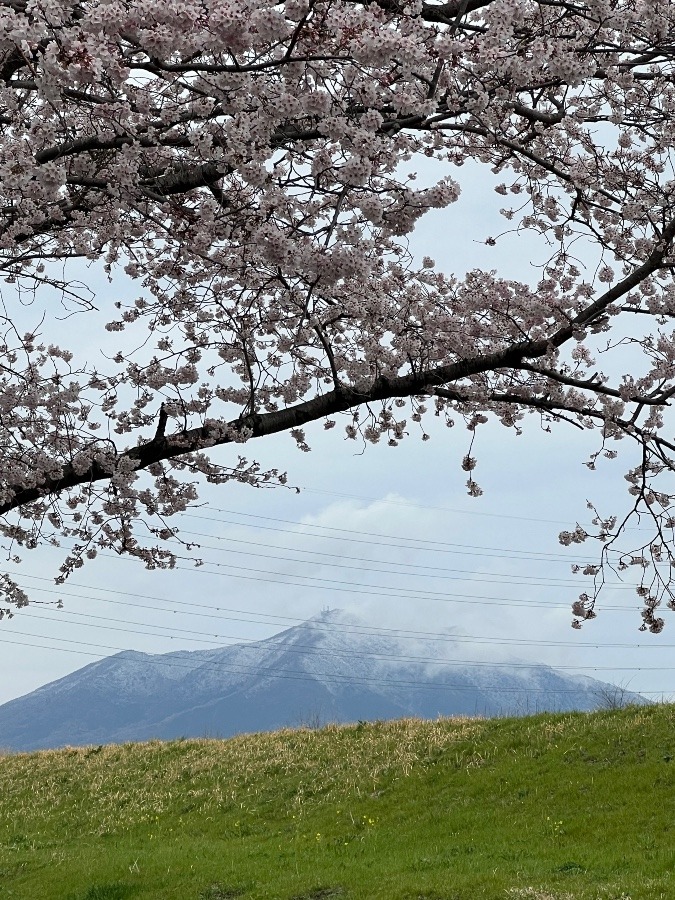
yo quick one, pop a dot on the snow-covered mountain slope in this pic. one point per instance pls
(331, 668)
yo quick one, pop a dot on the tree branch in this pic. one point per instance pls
(261, 424)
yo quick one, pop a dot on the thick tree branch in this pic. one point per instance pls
(262, 424)
(343, 399)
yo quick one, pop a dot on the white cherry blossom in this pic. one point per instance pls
(241, 162)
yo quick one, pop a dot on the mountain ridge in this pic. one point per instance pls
(332, 667)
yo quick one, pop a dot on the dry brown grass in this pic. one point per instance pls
(116, 787)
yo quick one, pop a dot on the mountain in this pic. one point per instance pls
(332, 668)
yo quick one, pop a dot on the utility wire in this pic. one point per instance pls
(266, 645)
(539, 580)
(427, 546)
(351, 588)
(450, 509)
(407, 503)
(299, 676)
(219, 612)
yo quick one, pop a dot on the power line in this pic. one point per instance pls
(348, 587)
(342, 586)
(301, 676)
(365, 630)
(476, 577)
(430, 546)
(324, 584)
(309, 650)
(501, 575)
(352, 588)
(450, 509)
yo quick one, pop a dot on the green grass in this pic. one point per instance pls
(551, 807)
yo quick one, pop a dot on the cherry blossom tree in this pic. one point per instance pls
(241, 162)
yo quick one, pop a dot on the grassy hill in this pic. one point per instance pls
(551, 807)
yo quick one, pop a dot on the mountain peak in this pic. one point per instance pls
(335, 667)
(334, 616)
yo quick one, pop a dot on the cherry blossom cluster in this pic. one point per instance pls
(240, 165)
